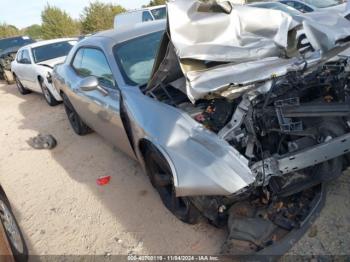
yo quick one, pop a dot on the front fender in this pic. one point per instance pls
(42, 72)
(202, 163)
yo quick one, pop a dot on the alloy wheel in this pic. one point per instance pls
(72, 116)
(162, 180)
(19, 86)
(12, 231)
(46, 92)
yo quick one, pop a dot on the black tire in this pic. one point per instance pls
(50, 99)
(79, 127)
(161, 178)
(12, 230)
(21, 88)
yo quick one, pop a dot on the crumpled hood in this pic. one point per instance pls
(204, 32)
(222, 46)
(52, 62)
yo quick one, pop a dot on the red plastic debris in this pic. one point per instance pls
(103, 180)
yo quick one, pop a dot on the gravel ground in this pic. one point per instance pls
(62, 210)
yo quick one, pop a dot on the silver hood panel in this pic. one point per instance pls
(217, 36)
(245, 49)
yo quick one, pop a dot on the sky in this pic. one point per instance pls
(23, 13)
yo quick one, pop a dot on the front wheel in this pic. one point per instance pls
(12, 230)
(162, 180)
(50, 99)
(79, 127)
(21, 88)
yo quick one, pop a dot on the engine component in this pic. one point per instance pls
(237, 119)
(287, 124)
(216, 114)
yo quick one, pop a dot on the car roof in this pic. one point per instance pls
(15, 37)
(48, 42)
(122, 35)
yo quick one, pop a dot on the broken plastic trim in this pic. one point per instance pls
(279, 248)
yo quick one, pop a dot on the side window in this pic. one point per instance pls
(146, 16)
(77, 59)
(290, 3)
(303, 8)
(19, 56)
(299, 6)
(25, 59)
(159, 13)
(92, 62)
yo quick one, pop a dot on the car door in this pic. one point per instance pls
(28, 77)
(16, 66)
(99, 110)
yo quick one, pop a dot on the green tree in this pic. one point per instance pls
(34, 31)
(156, 2)
(99, 16)
(8, 30)
(57, 23)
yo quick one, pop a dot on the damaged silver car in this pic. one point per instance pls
(227, 117)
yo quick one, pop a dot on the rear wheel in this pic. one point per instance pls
(50, 99)
(79, 127)
(162, 180)
(12, 230)
(21, 88)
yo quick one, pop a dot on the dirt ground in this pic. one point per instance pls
(62, 210)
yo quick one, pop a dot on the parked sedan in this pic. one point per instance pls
(229, 122)
(34, 63)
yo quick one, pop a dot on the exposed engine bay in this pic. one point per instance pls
(287, 113)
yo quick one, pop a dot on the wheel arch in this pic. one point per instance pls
(146, 144)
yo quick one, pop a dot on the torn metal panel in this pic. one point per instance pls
(238, 36)
(220, 78)
(221, 50)
(325, 30)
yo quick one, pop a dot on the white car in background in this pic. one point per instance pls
(133, 17)
(34, 63)
(308, 6)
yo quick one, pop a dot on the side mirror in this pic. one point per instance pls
(91, 83)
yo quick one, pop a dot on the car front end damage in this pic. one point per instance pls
(284, 112)
(6, 57)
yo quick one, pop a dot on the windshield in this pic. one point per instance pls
(14, 42)
(136, 58)
(159, 13)
(281, 7)
(51, 51)
(323, 3)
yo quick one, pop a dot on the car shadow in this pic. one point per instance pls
(138, 214)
